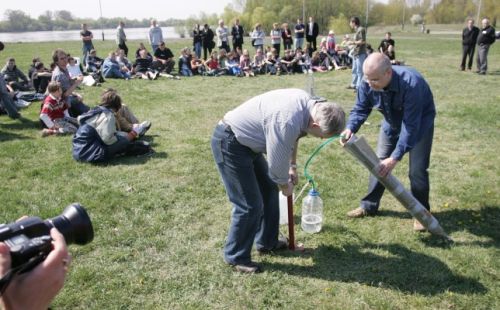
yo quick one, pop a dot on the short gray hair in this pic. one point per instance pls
(330, 117)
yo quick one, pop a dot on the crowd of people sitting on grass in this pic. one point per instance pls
(64, 112)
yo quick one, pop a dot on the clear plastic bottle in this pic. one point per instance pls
(312, 212)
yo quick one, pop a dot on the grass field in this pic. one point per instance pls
(160, 222)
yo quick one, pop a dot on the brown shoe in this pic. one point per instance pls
(358, 212)
(418, 227)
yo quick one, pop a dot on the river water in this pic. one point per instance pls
(74, 35)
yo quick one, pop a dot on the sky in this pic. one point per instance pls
(159, 9)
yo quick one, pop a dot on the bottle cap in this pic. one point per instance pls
(313, 192)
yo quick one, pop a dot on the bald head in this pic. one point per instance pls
(377, 71)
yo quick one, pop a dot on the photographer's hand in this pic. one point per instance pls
(36, 288)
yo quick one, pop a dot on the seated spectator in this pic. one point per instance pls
(94, 63)
(331, 61)
(233, 64)
(142, 47)
(68, 85)
(258, 64)
(245, 64)
(6, 102)
(212, 65)
(386, 43)
(143, 67)
(99, 140)
(331, 43)
(54, 114)
(14, 77)
(288, 62)
(197, 65)
(40, 77)
(223, 68)
(123, 60)
(318, 64)
(185, 62)
(75, 71)
(271, 64)
(111, 69)
(303, 62)
(163, 59)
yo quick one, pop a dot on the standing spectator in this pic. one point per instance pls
(299, 34)
(121, 38)
(485, 39)
(469, 39)
(270, 124)
(207, 40)
(312, 31)
(197, 38)
(222, 36)
(68, 85)
(258, 36)
(14, 77)
(405, 99)
(358, 53)
(276, 38)
(87, 37)
(164, 59)
(286, 35)
(237, 33)
(155, 35)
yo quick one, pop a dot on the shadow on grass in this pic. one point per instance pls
(390, 266)
(8, 136)
(135, 160)
(22, 123)
(481, 223)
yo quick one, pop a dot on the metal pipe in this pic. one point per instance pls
(359, 148)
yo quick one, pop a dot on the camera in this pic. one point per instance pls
(29, 239)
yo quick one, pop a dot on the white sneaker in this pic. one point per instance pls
(142, 128)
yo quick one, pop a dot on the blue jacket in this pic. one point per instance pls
(406, 103)
(111, 69)
(87, 144)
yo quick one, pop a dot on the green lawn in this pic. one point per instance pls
(160, 222)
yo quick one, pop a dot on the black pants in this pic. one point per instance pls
(205, 49)
(467, 50)
(124, 48)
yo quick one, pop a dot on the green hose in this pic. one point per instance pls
(306, 174)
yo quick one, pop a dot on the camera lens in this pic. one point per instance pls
(74, 224)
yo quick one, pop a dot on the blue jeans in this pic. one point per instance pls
(197, 49)
(418, 174)
(357, 70)
(299, 42)
(86, 48)
(253, 195)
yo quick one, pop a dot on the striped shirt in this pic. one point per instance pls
(271, 123)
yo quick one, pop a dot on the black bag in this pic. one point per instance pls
(253, 42)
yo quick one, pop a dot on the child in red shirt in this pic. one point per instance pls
(54, 113)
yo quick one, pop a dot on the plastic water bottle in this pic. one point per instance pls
(312, 212)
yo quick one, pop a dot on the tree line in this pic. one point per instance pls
(329, 14)
(17, 21)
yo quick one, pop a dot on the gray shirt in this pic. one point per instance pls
(120, 35)
(271, 123)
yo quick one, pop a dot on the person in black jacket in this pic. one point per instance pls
(485, 39)
(207, 40)
(469, 38)
(312, 31)
(237, 34)
(197, 36)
